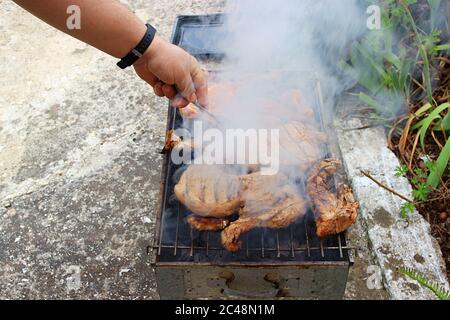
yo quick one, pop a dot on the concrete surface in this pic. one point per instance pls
(79, 170)
(394, 241)
(364, 278)
(79, 161)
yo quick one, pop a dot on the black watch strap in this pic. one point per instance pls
(139, 50)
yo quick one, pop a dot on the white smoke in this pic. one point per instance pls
(303, 37)
(274, 47)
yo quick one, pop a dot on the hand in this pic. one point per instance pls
(167, 67)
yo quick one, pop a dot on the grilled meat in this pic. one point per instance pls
(262, 201)
(218, 96)
(174, 142)
(300, 144)
(283, 208)
(258, 193)
(221, 94)
(296, 99)
(334, 213)
(207, 223)
(208, 191)
(288, 106)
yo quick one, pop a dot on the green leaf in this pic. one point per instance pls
(422, 50)
(420, 173)
(404, 74)
(423, 109)
(393, 59)
(438, 290)
(419, 112)
(428, 120)
(371, 60)
(444, 124)
(422, 191)
(442, 47)
(407, 209)
(431, 40)
(400, 171)
(362, 72)
(441, 163)
(369, 100)
(431, 165)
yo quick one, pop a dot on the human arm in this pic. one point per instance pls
(111, 27)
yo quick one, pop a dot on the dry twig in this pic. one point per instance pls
(386, 188)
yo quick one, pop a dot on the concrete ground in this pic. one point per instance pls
(80, 166)
(79, 161)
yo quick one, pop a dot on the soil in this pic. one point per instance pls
(437, 209)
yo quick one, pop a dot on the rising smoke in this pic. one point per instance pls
(303, 37)
(276, 49)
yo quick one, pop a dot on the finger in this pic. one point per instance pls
(184, 82)
(199, 78)
(189, 111)
(179, 101)
(158, 89)
(169, 91)
(183, 103)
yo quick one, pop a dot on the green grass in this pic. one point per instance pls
(435, 176)
(385, 71)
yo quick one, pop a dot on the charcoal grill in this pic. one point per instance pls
(288, 263)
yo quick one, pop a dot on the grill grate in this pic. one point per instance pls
(291, 248)
(291, 244)
(176, 241)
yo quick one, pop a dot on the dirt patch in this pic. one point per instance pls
(383, 218)
(413, 286)
(419, 258)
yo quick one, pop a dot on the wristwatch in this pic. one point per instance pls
(139, 50)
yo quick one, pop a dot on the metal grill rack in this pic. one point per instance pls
(290, 244)
(176, 241)
(291, 262)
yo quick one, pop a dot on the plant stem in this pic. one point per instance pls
(387, 188)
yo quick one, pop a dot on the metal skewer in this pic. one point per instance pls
(207, 112)
(201, 108)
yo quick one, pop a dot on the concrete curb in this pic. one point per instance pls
(395, 242)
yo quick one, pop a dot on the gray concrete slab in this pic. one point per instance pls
(394, 242)
(79, 161)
